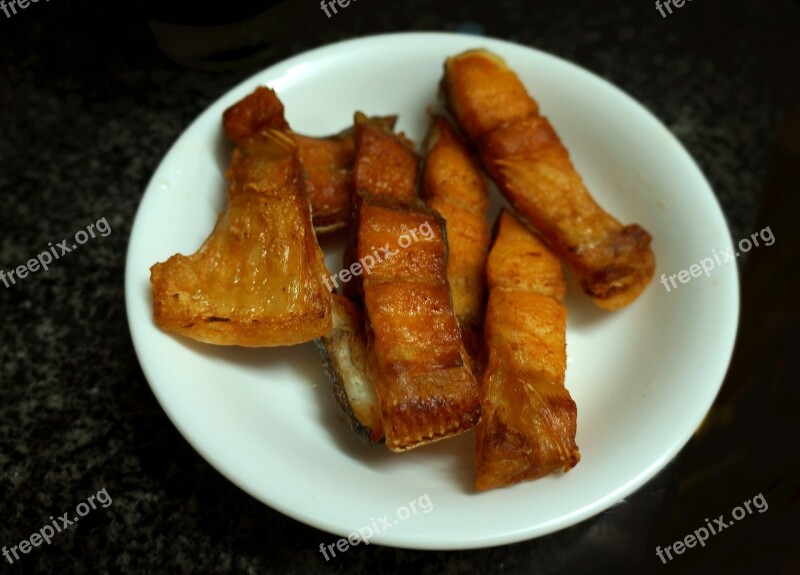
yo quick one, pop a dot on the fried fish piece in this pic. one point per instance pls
(525, 157)
(350, 289)
(344, 352)
(255, 112)
(528, 424)
(327, 162)
(454, 186)
(415, 353)
(258, 278)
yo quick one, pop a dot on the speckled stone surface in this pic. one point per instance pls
(86, 113)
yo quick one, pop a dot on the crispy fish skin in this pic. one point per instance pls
(525, 157)
(327, 161)
(453, 185)
(416, 356)
(257, 280)
(344, 352)
(528, 423)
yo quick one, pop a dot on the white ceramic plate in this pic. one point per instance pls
(643, 377)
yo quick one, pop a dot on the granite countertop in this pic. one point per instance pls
(89, 104)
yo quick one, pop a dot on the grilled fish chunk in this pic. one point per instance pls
(528, 423)
(454, 186)
(255, 112)
(327, 162)
(525, 157)
(258, 279)
(415, 353)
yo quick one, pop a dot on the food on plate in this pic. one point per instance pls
(528, 422)
(416, 357)
(453, 185)
(344, 352)
(416, 348)
(258, 111)
(522, 153)
(257, 279)
(327, 162)
(350, 289)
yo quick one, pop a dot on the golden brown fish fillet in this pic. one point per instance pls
(416, 356)
(328, 164)
(350, 289)
(327, 161)
(528, 422)
(257, 111)
(344, 352)
(454, 186)
(257, 280)
(525, 157)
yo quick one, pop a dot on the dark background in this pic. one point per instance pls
(92, 97)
